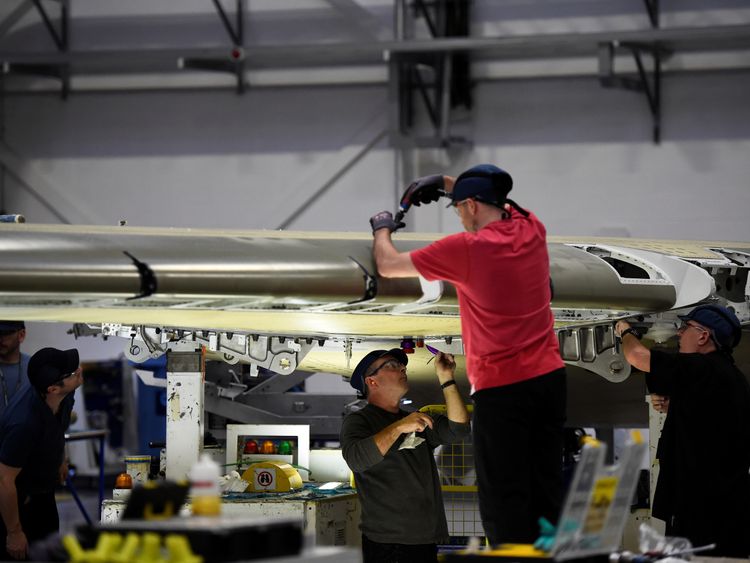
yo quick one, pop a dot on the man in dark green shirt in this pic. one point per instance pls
(390, 452)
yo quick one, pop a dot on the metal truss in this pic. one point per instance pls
(437, 82)
(234, 61)
(648, 83)
(428, 79)
(59, 35)
(652, 8)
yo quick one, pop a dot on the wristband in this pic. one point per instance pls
(448, 383)
(631, 330)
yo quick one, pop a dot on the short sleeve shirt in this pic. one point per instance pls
(501, 275)
(33, 438)
(12, 379)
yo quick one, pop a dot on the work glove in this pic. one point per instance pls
(423, 190)
(384, 220)
(547, 532)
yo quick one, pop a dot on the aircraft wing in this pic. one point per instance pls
(252, 294)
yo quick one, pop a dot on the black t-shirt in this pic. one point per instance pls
(704, 449)
(33, 438)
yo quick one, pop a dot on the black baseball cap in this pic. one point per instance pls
(50, 365)
(8, 326)
(726, 329)
(357, 379)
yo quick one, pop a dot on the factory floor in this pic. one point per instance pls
(70, 514)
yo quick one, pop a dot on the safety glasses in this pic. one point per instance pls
(66, 376)
(686, 325)
(457, 204)
(389, 364)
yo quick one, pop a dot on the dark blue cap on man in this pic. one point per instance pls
(11, 326)
(724, 324)
(485, 182)
(50, 365)
(363, 367)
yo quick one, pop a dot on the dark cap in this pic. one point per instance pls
(358, 375)
(485, 182)
(50, 365)
(724, 324)
(11, 325)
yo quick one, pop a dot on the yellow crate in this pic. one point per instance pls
(455, 463)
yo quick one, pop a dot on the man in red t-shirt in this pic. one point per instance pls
(500, 269)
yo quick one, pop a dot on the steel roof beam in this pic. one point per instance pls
(235, 62)
(60, 38)
(651, 88)
(652, 7)
(731, 37)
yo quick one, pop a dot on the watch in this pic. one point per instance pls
(448, 383)
(631, 330)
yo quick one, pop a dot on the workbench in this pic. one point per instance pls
(329, 518)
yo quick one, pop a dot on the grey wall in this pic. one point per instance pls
(215, 159)
(201, 159)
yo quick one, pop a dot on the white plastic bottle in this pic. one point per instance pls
(204, 487)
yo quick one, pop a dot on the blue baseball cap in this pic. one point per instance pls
(11, 325)
(726, 329)
(485, 182)
(357, 379)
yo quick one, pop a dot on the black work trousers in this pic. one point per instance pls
(374, 552)
(721, 524)
(518, 449)
(39, 519)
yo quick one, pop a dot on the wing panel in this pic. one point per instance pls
(289, 323)
(309, 283)
(49, 264)
(74, 266)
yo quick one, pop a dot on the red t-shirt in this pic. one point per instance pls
(501, 274)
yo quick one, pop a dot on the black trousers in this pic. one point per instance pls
(374, 552)
(39, 518)
(518, 449)
(725, 526)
